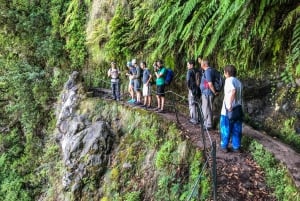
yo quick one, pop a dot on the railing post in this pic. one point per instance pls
(214, 170)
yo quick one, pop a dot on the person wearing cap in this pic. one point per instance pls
(114, 74)
(136, 77)
(131, 71)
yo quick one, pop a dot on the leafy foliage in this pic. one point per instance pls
(116, 47)
(275, 173)
(42, 41)
(230, 31)
(74, 32)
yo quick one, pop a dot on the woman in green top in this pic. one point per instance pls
(160, 73)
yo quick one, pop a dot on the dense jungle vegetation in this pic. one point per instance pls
(41, 42)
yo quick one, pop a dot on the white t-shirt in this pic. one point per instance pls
(231, 83)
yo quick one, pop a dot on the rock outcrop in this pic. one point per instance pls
(85, 145)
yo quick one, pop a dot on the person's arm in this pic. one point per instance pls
(210, 83)
(212, 88)
(109, 73)
(160, 74)
(138, 73)
(150, 77)
(231, 99)
(188, 77)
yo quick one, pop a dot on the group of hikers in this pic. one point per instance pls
(140, 80)
(200, 84)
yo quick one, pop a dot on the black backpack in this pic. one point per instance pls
(194, 82)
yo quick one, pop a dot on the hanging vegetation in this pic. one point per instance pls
(253, 35)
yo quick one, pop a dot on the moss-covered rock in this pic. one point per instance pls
(111, 151)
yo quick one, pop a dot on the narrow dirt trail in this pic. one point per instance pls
(239, 177)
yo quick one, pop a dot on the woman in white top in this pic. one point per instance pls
(232, 97)
(114, 74)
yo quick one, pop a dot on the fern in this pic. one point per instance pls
(291, 17)
(224, 25)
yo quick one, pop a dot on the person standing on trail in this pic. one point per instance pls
(160, 73)
(131, 71)
(193, 89)
(232, 97)
(147, 76)
(136, 77)
(114, 74)
(208, 93)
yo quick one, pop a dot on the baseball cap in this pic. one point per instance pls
(133, 61)
(128, 64)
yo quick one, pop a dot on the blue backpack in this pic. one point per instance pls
(218, 80)
(169, 76)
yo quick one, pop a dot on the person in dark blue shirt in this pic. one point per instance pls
(208, 93)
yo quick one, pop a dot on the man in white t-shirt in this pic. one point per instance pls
(232, 97)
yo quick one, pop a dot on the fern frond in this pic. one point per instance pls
(224, 25)
(295, 44)
(288, 21)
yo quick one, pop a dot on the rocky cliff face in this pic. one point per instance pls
(85, 146)
(109, 151)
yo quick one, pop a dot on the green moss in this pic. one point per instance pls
(164, 155)
(147, 145)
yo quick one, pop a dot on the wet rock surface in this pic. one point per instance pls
(85, 145)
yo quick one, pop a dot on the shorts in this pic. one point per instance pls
(130, 85)
(160, 90)
(146, 90)
(137, 85)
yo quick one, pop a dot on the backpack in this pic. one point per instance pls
(194, 83)
(169, 76)
(218, 80)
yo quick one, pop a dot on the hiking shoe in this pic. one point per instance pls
(236, 150)
(131, 101)
(193, 121)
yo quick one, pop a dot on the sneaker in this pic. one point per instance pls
(131, 101)
(193, 121)
(144, 106)
(160, 111)
(138, 103)
(236, 150)
(156, 109)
